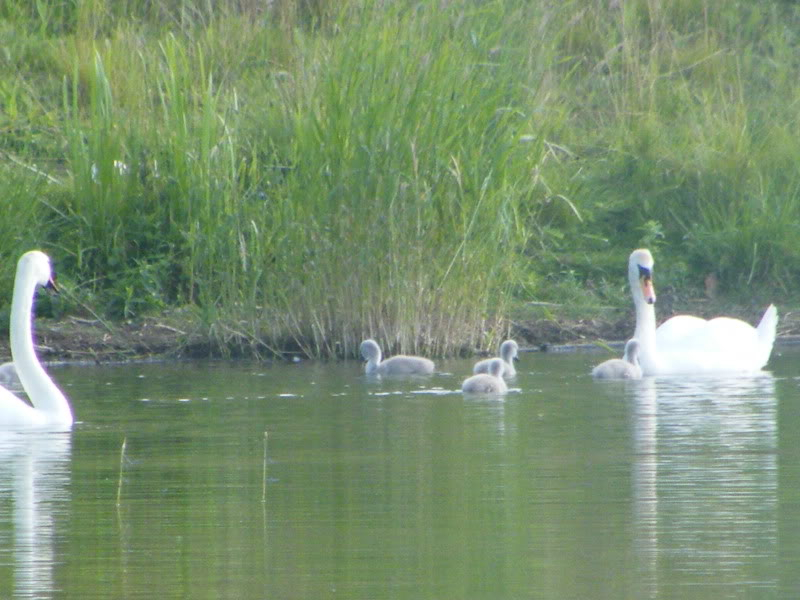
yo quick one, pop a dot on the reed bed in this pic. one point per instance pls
(304, 175)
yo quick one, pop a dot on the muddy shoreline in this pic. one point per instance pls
(174, 335)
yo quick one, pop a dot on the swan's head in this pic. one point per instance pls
(632, 351)
(640, 275)
(36, 264)
(370, 350)
(496, 367)
(508, 350)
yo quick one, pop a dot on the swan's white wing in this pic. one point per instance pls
(690, 344)
(722, 334)
(679, 329)
(15, 413)
(735, 334)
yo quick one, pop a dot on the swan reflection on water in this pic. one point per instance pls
(34, 476)
(705, 476)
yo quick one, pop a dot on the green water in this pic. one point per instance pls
(569, 488)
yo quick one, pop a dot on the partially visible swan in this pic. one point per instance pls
(50, 408)
(508, 352)
(396, 365)
(688, 344)
(626, 367)
(487, 383)
(8, 375)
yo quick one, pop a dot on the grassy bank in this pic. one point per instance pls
(303, 177)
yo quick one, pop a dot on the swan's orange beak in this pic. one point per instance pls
(51, 286)
(646, 281)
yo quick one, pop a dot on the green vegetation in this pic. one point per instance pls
(304, 176)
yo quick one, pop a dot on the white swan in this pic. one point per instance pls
(508, 352)
(627, 367)
(688, 344)
(396, 365)
(50, 408)
(487, 383)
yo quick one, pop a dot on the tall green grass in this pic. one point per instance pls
(306, 175)
(415, 187)
(687, 111)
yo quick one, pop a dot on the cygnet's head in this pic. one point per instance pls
(508, 350)
(632, 351)
(496, 367)
(370, 350)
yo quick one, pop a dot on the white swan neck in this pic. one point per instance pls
(645, 330)
(43, 393)
(645, 333)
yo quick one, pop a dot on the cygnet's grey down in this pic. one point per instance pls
(487, 383)
(626, 367)
(508, 352)
(396, 365)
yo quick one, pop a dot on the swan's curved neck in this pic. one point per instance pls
(43, 393)
(374, 359)
(645, 321)
(645, 332)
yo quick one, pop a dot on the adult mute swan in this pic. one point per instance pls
(688, 344)
(487, 383)
(508, 352)
(627, 367)
(50, 408)
(396, 365)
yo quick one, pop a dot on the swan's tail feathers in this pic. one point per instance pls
(768, 325)
(766, 330)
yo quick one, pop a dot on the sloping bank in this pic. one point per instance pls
(178, 335)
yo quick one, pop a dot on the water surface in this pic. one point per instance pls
(311, 480)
